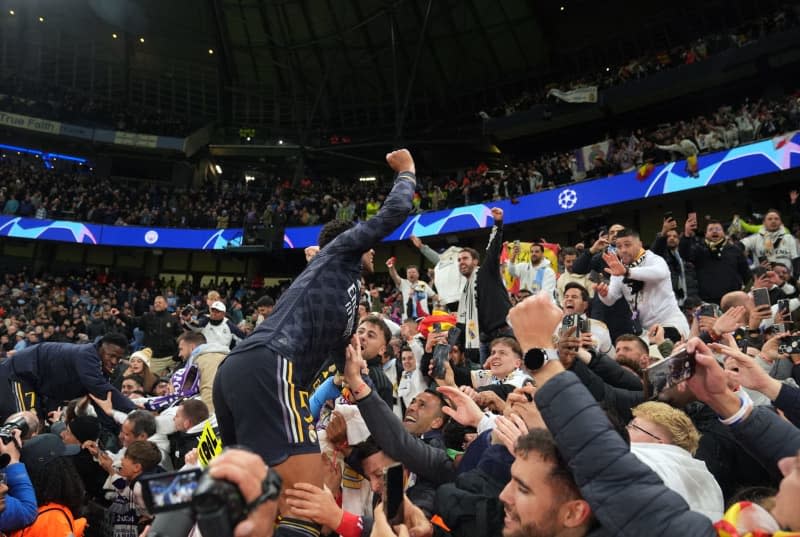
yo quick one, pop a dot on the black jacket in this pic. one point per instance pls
(626, 497)
(659, 247)
(63, 371)
(492, 295)
(717, 273)
(160, 328)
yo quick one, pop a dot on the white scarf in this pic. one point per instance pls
(468, 312)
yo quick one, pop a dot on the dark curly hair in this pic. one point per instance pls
(58, 482)
(331, 230)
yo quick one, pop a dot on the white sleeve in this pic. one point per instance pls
(515, 269)
(749, 242)
(549, 282)
(487, 422)
(614, 291)
(652, 273)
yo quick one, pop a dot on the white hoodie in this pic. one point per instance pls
(685, 475)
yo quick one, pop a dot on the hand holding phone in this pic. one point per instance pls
(761, 297)
(668, 373)
(392, 494)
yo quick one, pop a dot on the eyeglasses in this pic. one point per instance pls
(632, 425)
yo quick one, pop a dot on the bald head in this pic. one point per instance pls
(735, 298)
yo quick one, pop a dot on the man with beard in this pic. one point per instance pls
(616, 315)
(536, 275)
(556, 507)
(642, 278)
(721, 267)
(483, 285)
(160, 329)
(260, 392)
(772, 241)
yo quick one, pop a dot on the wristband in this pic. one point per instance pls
(360, 390)
(747, 404)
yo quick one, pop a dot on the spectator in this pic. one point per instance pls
(55, 372)
(642, 278)
(160, 330)
(17, 499)
(57, 485)
(720, 267)
(536, 275)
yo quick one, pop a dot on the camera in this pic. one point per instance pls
(216, 505)
(7, 430)
(789, 345)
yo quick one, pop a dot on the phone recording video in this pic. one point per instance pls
(167, 492)
(668, 373)
(393, 490)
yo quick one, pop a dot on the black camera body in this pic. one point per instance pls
(7, 430)
(216, 505)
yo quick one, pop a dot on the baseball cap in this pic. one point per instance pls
(217, 305)
(45, 448)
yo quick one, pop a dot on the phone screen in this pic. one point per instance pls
(174, 490)
(668, 373)
(393, 490)
(761, 297)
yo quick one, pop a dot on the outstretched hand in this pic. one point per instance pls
(106, 405)
(355, 365)
(615, 266)
(464, 410)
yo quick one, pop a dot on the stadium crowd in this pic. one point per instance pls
(66, 191)
(545, 406)
(58, 103)
(644, 65)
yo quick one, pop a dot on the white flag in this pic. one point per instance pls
(586, 94)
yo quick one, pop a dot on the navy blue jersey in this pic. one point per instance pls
(64, 371)
(316, 316)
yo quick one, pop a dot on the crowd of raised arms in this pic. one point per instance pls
(620, 386)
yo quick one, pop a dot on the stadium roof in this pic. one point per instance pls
(343, 64)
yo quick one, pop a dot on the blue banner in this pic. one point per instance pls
(768, 156)
(759, 158)
(133, 236)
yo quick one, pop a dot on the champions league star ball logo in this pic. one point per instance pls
(567, 199)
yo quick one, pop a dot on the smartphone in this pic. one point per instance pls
(393, 491)
(170, 491)
(761, 297)
(481, 378)
(667, 215)
(567, 322)
(789, 345)
(668, 373)
(783, 308)
(437, 327)
(708, 310)
(583, 326)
